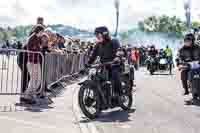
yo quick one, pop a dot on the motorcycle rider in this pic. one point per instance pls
(189, 52)
(106, 48)
(153, 52)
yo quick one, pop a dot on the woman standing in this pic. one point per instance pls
(34, 64)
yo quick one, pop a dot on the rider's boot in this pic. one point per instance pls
(186, 92)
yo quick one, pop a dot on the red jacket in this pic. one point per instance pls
(135, 55)
(33, 45)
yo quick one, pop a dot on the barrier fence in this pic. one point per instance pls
(17, 75)
(20, 77)
(58, 67)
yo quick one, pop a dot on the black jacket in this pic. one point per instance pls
(188, 54)
(153, 53)
(106, 52)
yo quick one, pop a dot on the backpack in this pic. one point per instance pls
(115, 44)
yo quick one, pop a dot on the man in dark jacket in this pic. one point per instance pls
(106, 49)
(22, 60)
(189, 52)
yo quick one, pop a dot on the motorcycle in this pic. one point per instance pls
(193, 68)
(96, 93)
(159, 64)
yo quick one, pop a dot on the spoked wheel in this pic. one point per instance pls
(126, 102)
(89, 102)
(126, 99)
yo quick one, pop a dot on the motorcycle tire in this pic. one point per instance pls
(82, 102)
(129, 103)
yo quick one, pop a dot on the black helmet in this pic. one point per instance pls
(189, 37)
(102, 30)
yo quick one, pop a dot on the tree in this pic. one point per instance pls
(195, 24)
(163, 24)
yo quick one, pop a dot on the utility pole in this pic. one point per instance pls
(117, 3)
(187, 7)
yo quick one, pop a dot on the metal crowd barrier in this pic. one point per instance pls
(14, 75)
(59, 66)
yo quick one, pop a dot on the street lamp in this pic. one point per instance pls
(187, 7)
(117, 3)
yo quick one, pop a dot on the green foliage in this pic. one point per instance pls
(195, 24)
(164, 24)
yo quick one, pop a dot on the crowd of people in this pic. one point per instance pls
(139, 55)
(43, 40)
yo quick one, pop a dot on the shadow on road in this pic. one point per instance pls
(114, 116)
(21, 108)
(192, 102)
(163, 74)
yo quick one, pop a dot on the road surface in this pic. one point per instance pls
(159, 108)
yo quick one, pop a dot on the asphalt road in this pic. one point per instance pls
(159, 107)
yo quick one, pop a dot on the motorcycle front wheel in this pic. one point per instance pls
(126, 102)
(126, 99)
(89, 101)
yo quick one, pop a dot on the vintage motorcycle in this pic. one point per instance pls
(97, 94)
(159, 64)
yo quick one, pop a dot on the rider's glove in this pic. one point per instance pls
(116, 60)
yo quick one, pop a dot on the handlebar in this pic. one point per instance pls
(188, 65)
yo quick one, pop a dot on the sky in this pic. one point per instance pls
(87, 14)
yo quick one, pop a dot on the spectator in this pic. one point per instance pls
(135, 57)
(22, 60)
(61, 41)
(142, 55)
(19, 45)
(7, 44)
(33, 65)
(40, 21)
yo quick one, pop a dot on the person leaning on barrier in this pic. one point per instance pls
(40, 21)
(56, 44)
(33, 65)
(60, 41)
